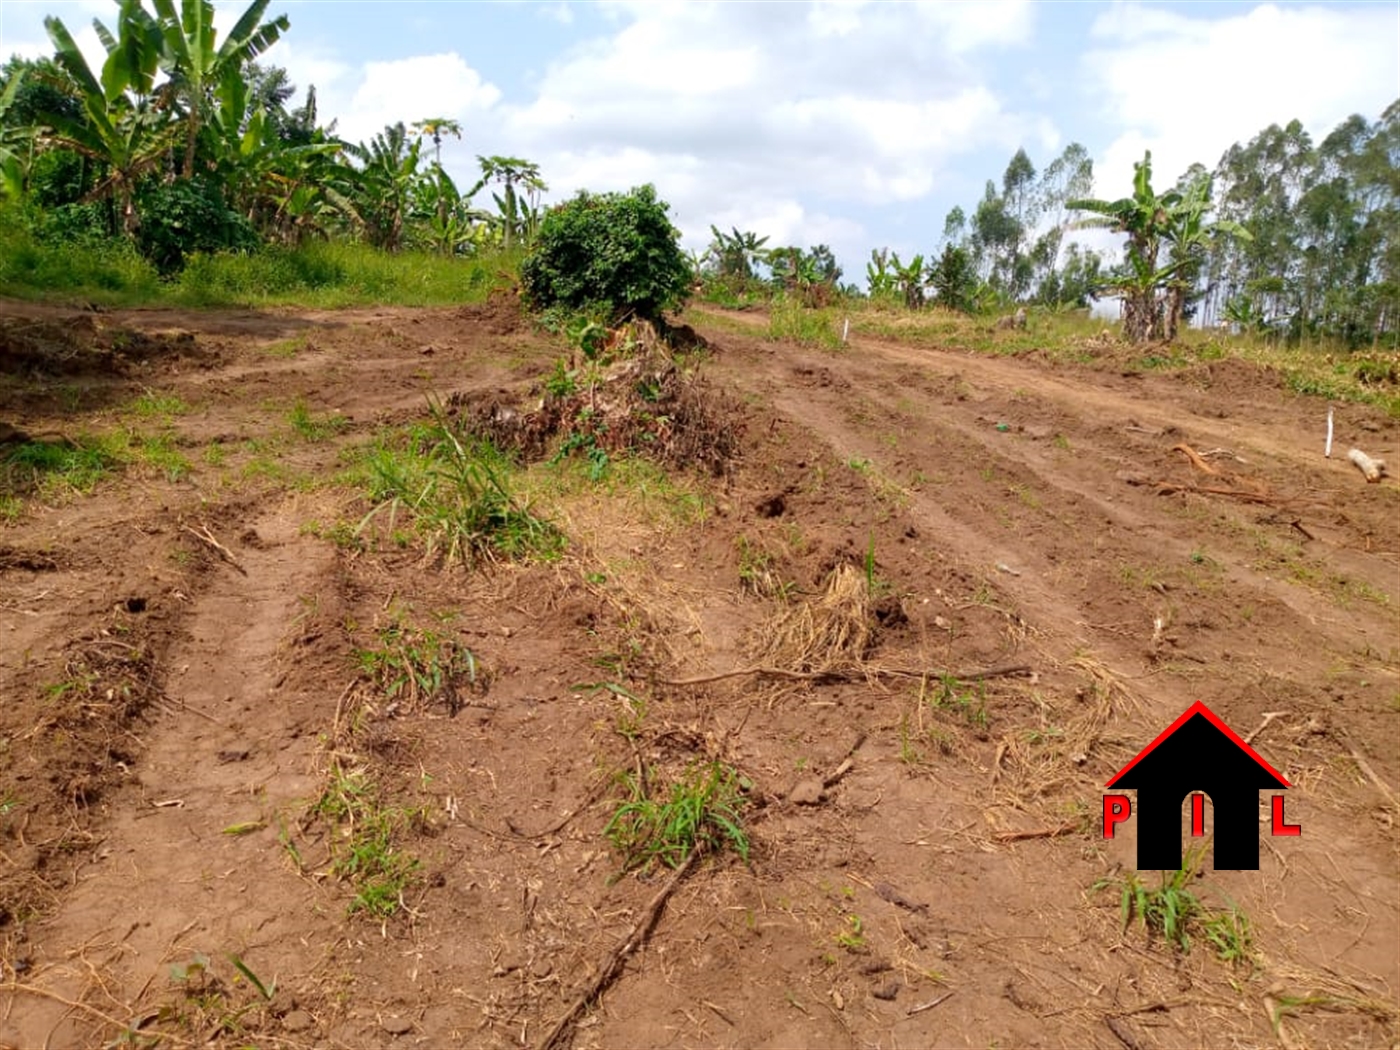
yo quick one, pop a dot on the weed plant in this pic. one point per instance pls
(701, 810)
(455, 490)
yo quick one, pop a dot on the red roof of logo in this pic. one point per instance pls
(1198, 708)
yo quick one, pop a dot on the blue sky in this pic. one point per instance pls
(854, 124)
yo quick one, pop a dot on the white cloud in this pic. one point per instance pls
(405, 90)
(1188, 86)
(752, 115)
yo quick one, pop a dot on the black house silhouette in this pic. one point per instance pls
(1198, 752)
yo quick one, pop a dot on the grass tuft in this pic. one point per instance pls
(701, 810)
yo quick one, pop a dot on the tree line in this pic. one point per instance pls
(181, 143)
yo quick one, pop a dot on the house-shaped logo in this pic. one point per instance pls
(1197, 753)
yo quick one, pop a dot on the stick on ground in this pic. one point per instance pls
(852, 676)
(612, 965)
(205, 536)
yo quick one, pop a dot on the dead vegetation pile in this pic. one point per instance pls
(82, 345)
(624, 391)
(832, 633)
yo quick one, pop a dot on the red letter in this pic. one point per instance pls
(1116, 809)
(1198, 815)
(1280, 828)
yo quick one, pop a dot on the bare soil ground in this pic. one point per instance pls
(173, 713)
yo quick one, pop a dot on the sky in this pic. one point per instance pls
(854, 124)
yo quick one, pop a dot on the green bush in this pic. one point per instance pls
(31, 265)
(613, 251)
(185, 217)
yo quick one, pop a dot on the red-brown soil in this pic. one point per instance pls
(155, 698)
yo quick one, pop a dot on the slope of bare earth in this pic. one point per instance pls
(178, 653)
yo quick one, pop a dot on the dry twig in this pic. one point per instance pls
(865, 673)
(205, 536)
(612, 965)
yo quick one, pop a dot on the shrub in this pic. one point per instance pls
(188, 216)
(613, 251)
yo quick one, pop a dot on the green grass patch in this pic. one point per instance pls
(364, 851)
(1173, 912)
(790, 321)
(453, 491)
(319, 274)
(152, 405)
(310, 427)
(52, 468)
(700, 810)
(416, 667)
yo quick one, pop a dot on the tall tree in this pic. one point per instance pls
(196, 65)
(127, 136)
(435, 128)
(516, 217)
(1150, 289)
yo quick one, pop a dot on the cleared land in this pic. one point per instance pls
(250, 736)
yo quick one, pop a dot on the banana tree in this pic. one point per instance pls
(1153, 293)
(879, 278)
(736, 254)
(196, 66)
(909, 279)
(129, 136)
(12, 141)
(378, 194)
(274, 183)
(446, 212)
(1191, 239)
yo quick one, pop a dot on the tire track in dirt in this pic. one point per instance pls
(1063, 586)
(232, 751)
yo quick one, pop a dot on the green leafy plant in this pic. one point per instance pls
(1174, 912)
(367, 855)
(455, 489)
(613, 251)
(312, 428)
(415, 667)
(700, 810)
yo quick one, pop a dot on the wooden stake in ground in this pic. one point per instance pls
(612, 965)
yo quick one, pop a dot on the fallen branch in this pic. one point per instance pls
(125, 1029)
(1041, 833)
(1381, 785)
(1166, 488)
(1123, 1032)
(1373, 469)
(608, 972)
(1195, 457)
(847, 763)
(205, 536)
(852, 676)
(1269, 716)
(928, 1005)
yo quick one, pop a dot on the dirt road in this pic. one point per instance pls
(173, 710)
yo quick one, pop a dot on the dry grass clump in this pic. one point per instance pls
(830, 634)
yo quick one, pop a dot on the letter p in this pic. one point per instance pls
(1116, 809)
